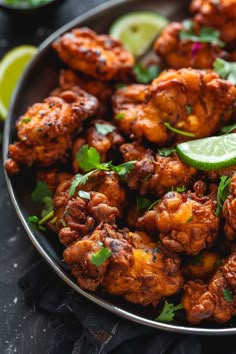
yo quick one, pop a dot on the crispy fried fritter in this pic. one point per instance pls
(53, 177)
(126, 104)
(186, 222)
(46, 130)
(229, 211)
(202, 266)
(216, 300)
(169, 98)
(220, 15)
(179, 53)
(141, 274)
(99, 56)
(135, 152)
(158, 174)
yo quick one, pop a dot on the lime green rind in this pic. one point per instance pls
(212, 153)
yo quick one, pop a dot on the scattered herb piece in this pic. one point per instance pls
(123, 169)
(181, 189)
(206, 34)
(144, 75)
(104, 129)
(218, 263)
(79, 179)
(25, 120)
(223, 192)
(53, 221)
(189, 108)
(228, 129)
(46, 217)
(143, 203)
(166, 151)
(120, 116)
(88, 158)
(228, 295)
(226, 70)
(41, 191)
(190, 219)
(153, 204)
(119, 85)
(168, 312)
(48, 205)
(84, 195)
(101, 256)
(33, 219)
(177, 131)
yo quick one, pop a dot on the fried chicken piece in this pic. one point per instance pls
(186, 222)
(101, 90)
(170, 97)
(157, 175)
(126, 104)
(229, 211)
(46, 130)
(220, 15)
(99, 56)
(216, 300)
(53, 177)
(201, 266)
(136, 269)
(185, 53)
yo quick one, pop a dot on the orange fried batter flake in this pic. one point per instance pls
(179, 53)
(99, 56)
(216, 300)
(220, 15)
(194, 101)
(46, 130)
(137, 269)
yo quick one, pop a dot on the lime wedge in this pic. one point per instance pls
(11, 67)
(210, 153)
(137, 30)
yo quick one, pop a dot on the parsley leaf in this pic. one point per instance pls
(228, 295)
(177, 131)
(206, 34)
(166, 151)
(41, 191)
(168, 312)
(225, 70)
(84, 195)
(101, 256)
(144, 75)
(223, 192)
(228, 128)
(104, 129)
(88, 158)
(143, 203)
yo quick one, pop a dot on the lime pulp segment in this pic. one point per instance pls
(137, 30)
(209, 153)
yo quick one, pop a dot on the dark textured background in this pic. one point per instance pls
(23, 330)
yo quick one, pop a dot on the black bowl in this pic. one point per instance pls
(19, 10)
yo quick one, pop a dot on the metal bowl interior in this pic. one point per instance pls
(39, 78)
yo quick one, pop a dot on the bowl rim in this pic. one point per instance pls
(26, 9)
(89, 15)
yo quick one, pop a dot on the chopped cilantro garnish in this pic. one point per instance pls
(48, 205)
(223, 192)
(84, 195)
(104, 129)
(144, 75)
(228, 128)
(206, 34)
(33, 219)
(120, 116)
(168, 312)
(166, 151)
(25, 120)
(228, 295)
(41, 191)
(143, 203)
(189, 108)
(181, 189)
(190, 219)
(100, 256)
(79, 179)
(226, 70)
(177, 131)
(122, 169)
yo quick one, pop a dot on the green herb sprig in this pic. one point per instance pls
(226, 70)
(144, 75)
(177, 131)
(168, 312)
(223, 192)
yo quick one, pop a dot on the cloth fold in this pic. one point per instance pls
(82, 327)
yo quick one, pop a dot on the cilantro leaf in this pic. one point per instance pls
(228, 128)
(189, 108)
(120, 116)
(144, 75)
(181, 189)
(104, 129)
(143, 203)
(40, 192)
(206, 34)
(168, 312)
(79, 179)
(190, 219)
(33, 219)
(84, 195)
(101, 256)
(223, 192)
(123, 169)
(88, 158)
(228, 295)
(177, 131)
(166, 151)
(48, 205)
(226, 70)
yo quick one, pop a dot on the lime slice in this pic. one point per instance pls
(11, 67)
(137, 30)
(210, 153)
